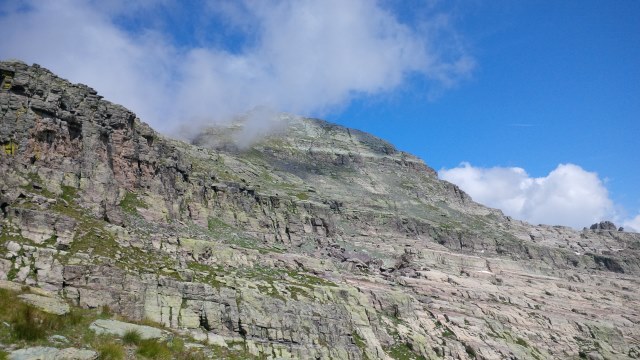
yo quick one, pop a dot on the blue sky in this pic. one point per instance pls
(530, 106)
(555, 82)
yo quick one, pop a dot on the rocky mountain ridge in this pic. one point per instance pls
(316, 242)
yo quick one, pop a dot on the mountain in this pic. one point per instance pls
(314, 242)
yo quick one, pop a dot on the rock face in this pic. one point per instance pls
(317, 242)
(604, 225)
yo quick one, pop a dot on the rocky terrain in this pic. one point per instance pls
(316, 242)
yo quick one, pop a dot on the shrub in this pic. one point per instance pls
(111, 351)
(132, 337)
(3, 355)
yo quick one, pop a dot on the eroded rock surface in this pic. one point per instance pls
(316, 242)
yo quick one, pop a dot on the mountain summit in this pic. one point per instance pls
(314, 242)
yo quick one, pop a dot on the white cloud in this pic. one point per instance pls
(632, 224)
(568, 195)
(304, 57)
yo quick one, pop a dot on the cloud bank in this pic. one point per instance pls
(568, 195)
(632, 224)
(306, 57)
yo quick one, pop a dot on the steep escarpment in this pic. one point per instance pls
(315, 242)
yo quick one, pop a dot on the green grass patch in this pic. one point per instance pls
(11, 275)
(250, 243)
(215, 224)
(69, 193)
(153, 349)
(29, 324)
(222, 231)
(403, 352)
(130, 203)
(148, 322)
(132, 337)
(270, 290)
(205, 274)
(358, 340)
(360, 343)
(309, 281)
(111, 351)
(8, 234)
(105, 312)
(293, 277)
(297, 283)
(448, 333)
(297, 292)
(93, 237)
(176, 345)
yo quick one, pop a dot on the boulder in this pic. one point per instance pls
(52, 305)
(119, 328)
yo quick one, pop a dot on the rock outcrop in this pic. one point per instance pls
(316, 242)
(604, 225)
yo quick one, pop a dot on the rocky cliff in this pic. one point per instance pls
(318, 241)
